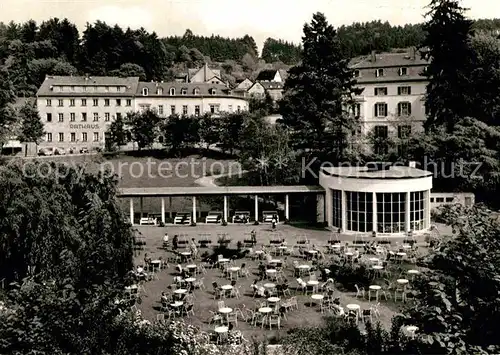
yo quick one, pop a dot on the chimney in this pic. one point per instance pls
(374, 56)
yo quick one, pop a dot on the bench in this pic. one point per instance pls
(147, 221)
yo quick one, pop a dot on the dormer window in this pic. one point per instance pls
(159, 91)
(196, 91)
(403, 71)
(379, 72)
(356, 74)
(145, 92)
(172, 91)
(184, 91)
(212, 91)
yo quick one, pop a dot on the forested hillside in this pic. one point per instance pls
(29, 51)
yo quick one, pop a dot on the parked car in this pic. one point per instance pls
(59, 151)
(84, 150)
(46, 151)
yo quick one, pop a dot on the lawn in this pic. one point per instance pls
(204, 300)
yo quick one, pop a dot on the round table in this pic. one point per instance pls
(269, 285)
(190, 279)
(406, 246)
(223, 260)
(265, 310)
(221, 330)
(401, 254)
(273, 299)
(377, 267)
(180, 291)
(313, 252)
(402, 281)
(374, 260)
(226, 287)
(349, 254)
(283, 247)
(234, 269)
(413, 272)
(375, 288)
(225, 310)
(316, 298)
(312, 283)
(335, 246)
(156, 262)
(177, 304)
(274, 261)
(353, 307)
(191, 266)
(186, 253)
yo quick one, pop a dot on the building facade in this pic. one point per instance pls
(77, 111)
(388, 200)
(393, 98)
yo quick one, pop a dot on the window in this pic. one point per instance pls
(184, 91)
(171, 91)
(380, 91)
(439, 199)
(72, 102)
(84, 136)
(118, 116)
(337, 208)
(391, 211)
(356, 110)
(60, 117)
(160, 109)
(96, 117)
(72, 117)
(417, 210)
(48, 103)
(106, 117)
(196, 91)
(84, 102)
(239, 108)
(403, 71)
(49, 117)
(197, 110)
(404, 131)
(381, 109)
(145, 92)
(60, 103)
(432, 199)
(404, 90)
(49, 137)
(118, 89)
(184, 110)
(172, 110)
(230, 108)
(61, 137)
(212, 108)
(159, 91)
(106, 102)
(404, 109)
(356, 74)
(95, 102)
(118, 102)
(381, 145)
(129, 102)
(379, 72)
(213, 91)
(84, 117)
(96, 136)
(72, 137)
(359, 211)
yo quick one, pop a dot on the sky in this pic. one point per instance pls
(261, 19)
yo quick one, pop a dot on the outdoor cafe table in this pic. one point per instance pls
(375, 288)
(191, 266)
(269, 285)
(271, 272)
(226, 288)
(259, 253)
(354, 307)
(303, 268)
(413, 272)
(406, 246)
(232, 270)
(274, 300)
(225, 310)
(190, 279)
(402, 281)
(220, 332)
(316, 298)
(185, 255)
(274, 261)
(181, 291)
(313, 283)
(374, 260)
(265, 310)
(155, 263)
(223, 260)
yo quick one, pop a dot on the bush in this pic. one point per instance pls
(348, 274)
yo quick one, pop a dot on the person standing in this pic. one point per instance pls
(274, 221)
(165, 241)
(175, 241)
(253, 235)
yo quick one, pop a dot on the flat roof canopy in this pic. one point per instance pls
(222, 190)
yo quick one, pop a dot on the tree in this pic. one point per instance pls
(117, 133)
(317, 93)
(180, 132)
(457, 302)
(31, 124)
(230, 129)
(448, 47)
(7, 97)
(143, 127)
(129, 70)
(40, 68)
(209, 129)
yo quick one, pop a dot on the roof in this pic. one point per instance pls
(363, 172)
(387, 60)
(208, 73)
(266, 74)
(222, 190)
(204, 89)
(50, 82)
(272, 85)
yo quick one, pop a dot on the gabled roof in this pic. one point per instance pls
(272, 85)
(204, 88)
(266, 74)
(387, 60)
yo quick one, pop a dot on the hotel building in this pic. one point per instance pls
(77, 110)
(393, 98)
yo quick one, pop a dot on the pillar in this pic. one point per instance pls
(407, 213)
(320, 209)
(427, 212)
(162, 210)
(194, 209)
(287, 207)
(374, 211)
(256, 207)
(170, 207)
(344, 211)
(141, 206)
(225, 208)
(132, 211)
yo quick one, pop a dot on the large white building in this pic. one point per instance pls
(77, 110)
(393, 98)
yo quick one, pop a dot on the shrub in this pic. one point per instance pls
(348, 274)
